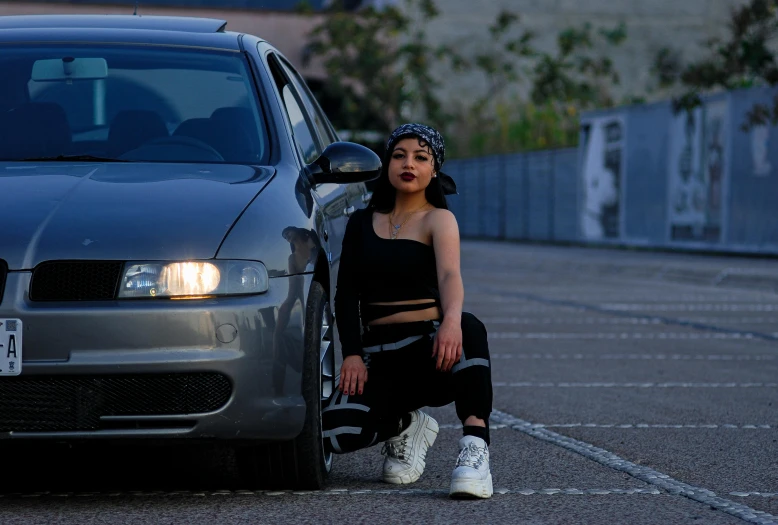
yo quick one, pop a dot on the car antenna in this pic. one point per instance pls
(136, 8)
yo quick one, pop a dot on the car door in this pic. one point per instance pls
(356, 194)
(338, 201)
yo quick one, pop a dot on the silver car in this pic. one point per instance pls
(172, 205)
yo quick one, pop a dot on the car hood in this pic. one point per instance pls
(120, 211)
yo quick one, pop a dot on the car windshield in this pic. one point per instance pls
(128, 103)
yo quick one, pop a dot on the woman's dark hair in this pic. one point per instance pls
(384, 193)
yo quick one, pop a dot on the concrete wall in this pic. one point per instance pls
(651, 25)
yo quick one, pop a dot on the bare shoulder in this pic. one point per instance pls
(441, 221)
(441, 218)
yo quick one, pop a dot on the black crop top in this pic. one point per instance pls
(377, 270)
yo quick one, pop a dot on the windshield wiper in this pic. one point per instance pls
(77, 158)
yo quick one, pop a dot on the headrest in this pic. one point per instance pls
(238, 134)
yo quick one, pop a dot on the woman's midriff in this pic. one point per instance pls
(429, 314)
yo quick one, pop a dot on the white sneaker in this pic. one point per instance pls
(472, 477)
(405, 453)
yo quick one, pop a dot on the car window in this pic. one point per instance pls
(131, 103)
(317, 116)
(302, 133)
(302, 128)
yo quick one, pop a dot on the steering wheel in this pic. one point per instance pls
(182, 141)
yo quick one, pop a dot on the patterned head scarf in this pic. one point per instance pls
(435, 141)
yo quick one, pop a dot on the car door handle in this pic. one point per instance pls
(366, 197)
(348, 211)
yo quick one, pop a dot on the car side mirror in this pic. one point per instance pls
(344, 163)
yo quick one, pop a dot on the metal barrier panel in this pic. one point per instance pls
(515, 196)
(645, 183)
(641, 176)
(602, 160)
(471, 196)
(565, 195)
(490, 181)
(540, 178)
(752, 192)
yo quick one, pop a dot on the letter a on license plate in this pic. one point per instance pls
(10, 347)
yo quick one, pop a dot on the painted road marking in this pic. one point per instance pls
(622, 320)
(602, 309)
(641, 357)
(338, 492)
(622, 335)
(522, 384)
(680, 307)
(648, 475)
(702, 426)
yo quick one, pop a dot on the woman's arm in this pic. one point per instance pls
(445, 241)
(347, 290)
(353, 373)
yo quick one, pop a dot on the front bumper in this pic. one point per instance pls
(235, 337)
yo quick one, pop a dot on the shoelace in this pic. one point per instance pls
(471, 456)
(396, 451)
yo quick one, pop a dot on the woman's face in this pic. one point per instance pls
(411, 166)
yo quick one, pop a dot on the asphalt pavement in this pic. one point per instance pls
(630, 387)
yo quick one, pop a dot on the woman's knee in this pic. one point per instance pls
(472, 324)
(474, 336)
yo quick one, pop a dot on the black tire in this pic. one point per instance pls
(302, 462)
(312, 464)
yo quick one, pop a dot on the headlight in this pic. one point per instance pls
(193, 279)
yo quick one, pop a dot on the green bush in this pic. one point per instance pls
(514, 127)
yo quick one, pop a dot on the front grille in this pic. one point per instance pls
(48, 404)
(3, 273)
(75, 281)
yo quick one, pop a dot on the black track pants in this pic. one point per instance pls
(402, 378)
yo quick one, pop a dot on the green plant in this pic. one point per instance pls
(744, 59)
(378, 65)
(514, 126)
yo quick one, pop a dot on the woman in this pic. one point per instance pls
(406, 342)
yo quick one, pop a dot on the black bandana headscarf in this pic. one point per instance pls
(435, 141)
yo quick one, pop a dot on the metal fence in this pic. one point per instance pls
(642, 176)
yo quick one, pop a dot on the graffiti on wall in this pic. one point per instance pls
(697, 171)
(601, 173)
(760, 147)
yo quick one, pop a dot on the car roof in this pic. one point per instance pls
(165, 30)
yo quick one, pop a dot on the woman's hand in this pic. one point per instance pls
(447, 347)
(353, 375)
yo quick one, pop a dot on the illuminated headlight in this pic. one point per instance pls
(193, 279)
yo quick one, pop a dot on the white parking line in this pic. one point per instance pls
(622, 320)
(701, 426)
(620, 336)
(640, 357)
(651, 476)
(521, 384)
(749, 494)
(680, 307)
(654, 425)
(339, 492)
(361, 492)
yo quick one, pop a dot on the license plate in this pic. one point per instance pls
(10, 347)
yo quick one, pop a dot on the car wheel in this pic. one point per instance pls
(313, 461)
(303, 462)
